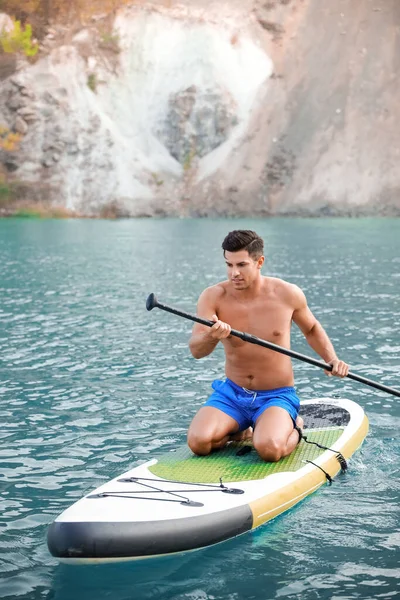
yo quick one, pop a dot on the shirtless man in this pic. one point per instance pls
(258, 391)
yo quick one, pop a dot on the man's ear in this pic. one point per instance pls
(260, 262)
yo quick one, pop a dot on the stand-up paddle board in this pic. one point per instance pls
(181, 502)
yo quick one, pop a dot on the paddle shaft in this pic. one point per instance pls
(152, 302)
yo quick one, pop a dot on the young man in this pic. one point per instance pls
(258, 391)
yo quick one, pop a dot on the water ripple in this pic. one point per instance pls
(91, 383)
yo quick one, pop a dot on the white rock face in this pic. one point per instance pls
(6, 23)
(177, 98)
(197, 107)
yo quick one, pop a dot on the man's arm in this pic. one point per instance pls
(316, 336)
(204, 339)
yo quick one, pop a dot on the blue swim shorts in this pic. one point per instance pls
(245, 406)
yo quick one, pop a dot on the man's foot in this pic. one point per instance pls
(299, 427)
(242, 436)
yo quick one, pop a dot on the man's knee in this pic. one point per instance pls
(271, 450)
(199, 443)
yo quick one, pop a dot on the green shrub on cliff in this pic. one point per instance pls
(92, 82)
(5, 191)
(19, 39)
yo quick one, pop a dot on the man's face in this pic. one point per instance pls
(243, 270)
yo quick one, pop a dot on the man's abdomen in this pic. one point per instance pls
(257, 368)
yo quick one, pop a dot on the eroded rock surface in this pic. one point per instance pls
(204, 108)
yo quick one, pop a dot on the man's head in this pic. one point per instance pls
(243, 252)
(244, 239)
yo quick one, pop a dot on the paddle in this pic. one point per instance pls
(152, 302)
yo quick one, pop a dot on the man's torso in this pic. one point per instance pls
(267, 316)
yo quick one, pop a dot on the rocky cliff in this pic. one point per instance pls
(205, 108)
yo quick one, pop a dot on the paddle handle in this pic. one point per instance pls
(152, 302)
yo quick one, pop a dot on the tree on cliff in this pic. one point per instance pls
(41, 12)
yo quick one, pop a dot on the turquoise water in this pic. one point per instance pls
(91, 383)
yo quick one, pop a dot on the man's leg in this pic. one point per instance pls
(274, 436)
(210, 429)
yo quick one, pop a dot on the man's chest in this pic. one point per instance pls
(268, 319)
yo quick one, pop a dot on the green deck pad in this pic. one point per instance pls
(184, 466)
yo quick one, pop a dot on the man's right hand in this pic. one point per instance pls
(220, 330)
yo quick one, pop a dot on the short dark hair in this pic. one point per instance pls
(244, 239)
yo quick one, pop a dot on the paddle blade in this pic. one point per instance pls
(151, 302)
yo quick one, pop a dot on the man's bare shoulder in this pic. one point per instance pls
(215, 292)
(210, 300)
(286, 291)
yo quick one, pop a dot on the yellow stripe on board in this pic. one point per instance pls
(270, 506)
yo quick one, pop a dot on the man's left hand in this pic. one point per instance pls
(339, 368)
